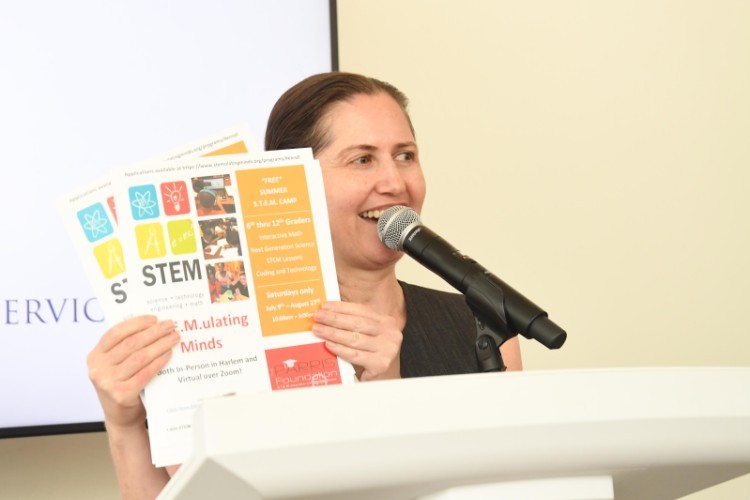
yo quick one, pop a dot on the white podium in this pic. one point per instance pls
(656, 433)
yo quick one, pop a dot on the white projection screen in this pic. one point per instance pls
(87, 86)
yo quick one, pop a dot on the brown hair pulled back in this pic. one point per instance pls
(296, 120)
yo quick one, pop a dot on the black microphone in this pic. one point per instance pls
(493, 301)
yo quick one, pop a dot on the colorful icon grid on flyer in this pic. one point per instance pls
(150, 241)
(175, 198)
(112, 209)
(143, 202)
(181, 236)
(110, 258)
(94, 222)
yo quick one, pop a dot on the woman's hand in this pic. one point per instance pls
(369, 341)
(127, 356)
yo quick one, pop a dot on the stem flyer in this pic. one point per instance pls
(237, 251)
(90, 218)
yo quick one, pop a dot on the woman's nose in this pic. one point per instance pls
(390, 178)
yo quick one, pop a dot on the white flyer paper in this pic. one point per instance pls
(237, 251)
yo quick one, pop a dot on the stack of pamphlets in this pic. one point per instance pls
(234, 246)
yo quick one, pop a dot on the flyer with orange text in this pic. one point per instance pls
(237, 251)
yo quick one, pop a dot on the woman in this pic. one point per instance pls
(360, 132)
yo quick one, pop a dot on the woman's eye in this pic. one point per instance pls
(405, 156)
(362, 160)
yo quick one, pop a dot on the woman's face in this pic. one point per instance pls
(370, 164)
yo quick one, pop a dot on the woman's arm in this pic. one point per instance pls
(510, 351)
(127, 356)
(137, 477)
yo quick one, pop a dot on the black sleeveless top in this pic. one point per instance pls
(439, 335)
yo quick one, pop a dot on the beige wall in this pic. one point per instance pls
(594, 155)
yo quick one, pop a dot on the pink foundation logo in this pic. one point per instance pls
(307, 365)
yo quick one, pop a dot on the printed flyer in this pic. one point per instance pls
(90, 218)
(237, 251)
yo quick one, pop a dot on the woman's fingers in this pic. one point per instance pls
(361, 336)
(123, 330)
(134, 337)
(145, 353)
(126, 358)
(347, 316)
(349, 338)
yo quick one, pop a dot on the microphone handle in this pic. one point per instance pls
(492, 300)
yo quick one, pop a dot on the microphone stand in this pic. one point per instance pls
(488, 347)
(486, 299)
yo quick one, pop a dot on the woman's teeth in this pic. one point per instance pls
(372, 214)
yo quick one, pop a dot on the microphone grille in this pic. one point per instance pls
(393, 223)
